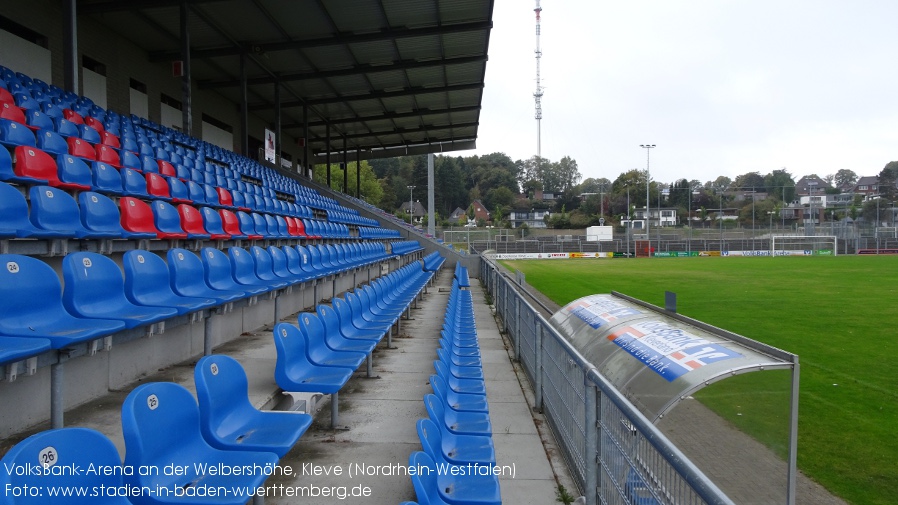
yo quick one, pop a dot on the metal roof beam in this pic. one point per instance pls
(355, 70)
(375, 95)
(405, 131)
(339, 39)
(132, 5)
(388, 115)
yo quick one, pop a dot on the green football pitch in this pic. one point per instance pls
(839, 314)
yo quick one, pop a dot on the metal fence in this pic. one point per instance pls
(616, 456)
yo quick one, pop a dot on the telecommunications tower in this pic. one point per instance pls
(538, 94)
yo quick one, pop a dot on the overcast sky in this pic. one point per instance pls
(722, 87)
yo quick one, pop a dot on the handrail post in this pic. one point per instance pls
(591, 462)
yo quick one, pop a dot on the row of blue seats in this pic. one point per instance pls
(457, 431)
(145, 138)
(433, 261)
(321, 352)
(56, 214)
(98, 301)
(164, 426)
(406, 247)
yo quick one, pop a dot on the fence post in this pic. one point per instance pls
(517, 328)
(591, 463)
(538, 368)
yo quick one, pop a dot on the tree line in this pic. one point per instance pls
(504, 185)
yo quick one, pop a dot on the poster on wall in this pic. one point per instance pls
(269, 146)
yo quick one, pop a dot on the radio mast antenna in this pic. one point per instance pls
(538, 94)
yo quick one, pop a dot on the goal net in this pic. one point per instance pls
(803, 245)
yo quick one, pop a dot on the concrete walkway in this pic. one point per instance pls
(366, 463)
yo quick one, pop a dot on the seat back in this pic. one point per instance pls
(290, 345)
(213, 224)
(106, 179)
(279, 262)
(425, 481)
(222, 393)
(93, 284)
(99, 214)
(178, 190)
(81, 148)
(134, 183)
(216, 268)
(192, 221)
(36, 164)
(130, 159)
(247, 224)
(108, 154)
(157, 186)
(261, 225)
(54, 210)
(73, 172)
(185, 270)
(13, 212)
(231, 224)
(51, 142)
(431, 440)
(14, 133)
(242, 266)
(158, 419)
(264, 265)
(293, 261)
(196, 192)
(167, 220)
(224, 197)
(28, 288)
(62, 448)
(305, 261)
(137, 216)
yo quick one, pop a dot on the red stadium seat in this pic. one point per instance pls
(32, 163)
(110, 139)
(13, 113)
(157, 187)
(72, 116)
(81, 149)
(108, 154)
(166, 168)
(192, 222)
(137, 216)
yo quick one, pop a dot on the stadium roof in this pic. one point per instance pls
(391, 76)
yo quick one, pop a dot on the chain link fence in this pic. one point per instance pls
(616, 456)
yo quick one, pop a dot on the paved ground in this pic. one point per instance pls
(380, 413)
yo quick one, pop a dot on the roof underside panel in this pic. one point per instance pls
(389, 75)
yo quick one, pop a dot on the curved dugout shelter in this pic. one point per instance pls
(657, 358)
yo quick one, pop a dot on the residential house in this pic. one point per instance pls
(418, 210)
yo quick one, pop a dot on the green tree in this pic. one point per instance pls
(780, 185)
(844, 178)
(887, 180)
(752, 181)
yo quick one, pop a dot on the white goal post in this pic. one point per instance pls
(804, 245)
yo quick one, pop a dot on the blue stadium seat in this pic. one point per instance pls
(51, 142)
(247, 226)
(106, 179)
(440, 444)
(178, 191)
(63, 448)
(187, 278)
(318, 349)
(331, 332)
(100, 216)
(217, 273)
(74, 174)
(293, 370)
(147, 283)
(280, 268)
(349, 329)
(265, 270)
(161, 427)
(130, 160)
(32, 305)
(167, 220)
(14, 221)
(55, 214)
(213, 224)
(229, 421)
(243, 268)
(433, 486)
(461, 423)
(294, 264)
(94, 288)
(15, 134)
(134, 183)
(461, 402)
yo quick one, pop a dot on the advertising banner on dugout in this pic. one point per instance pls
(653, 358)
